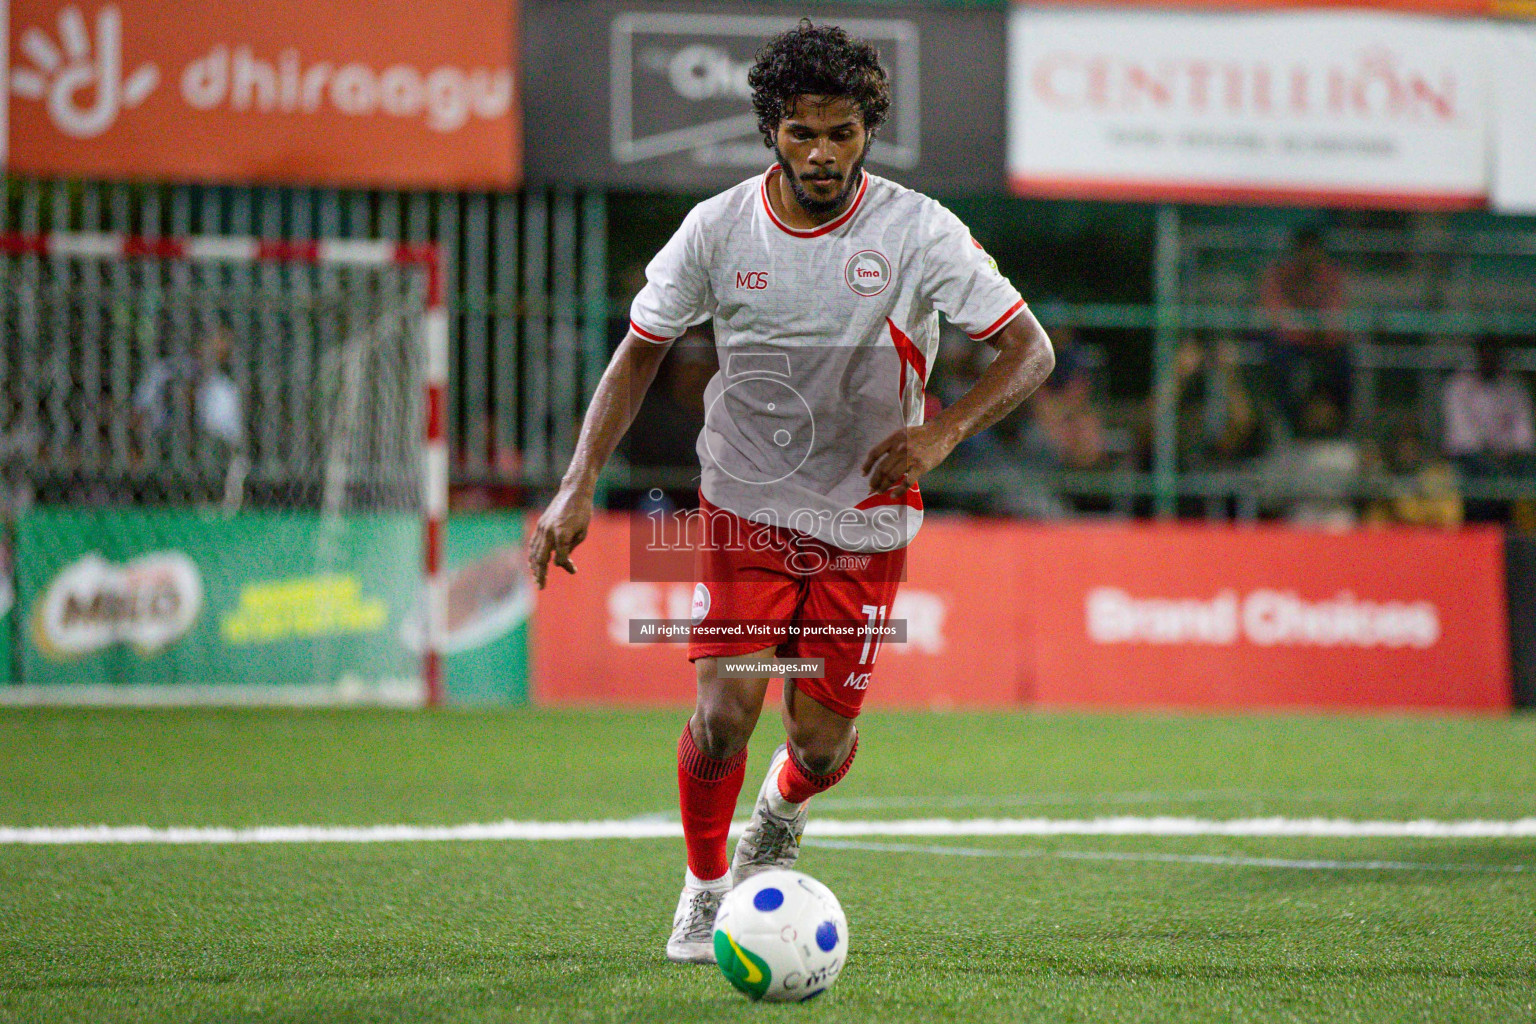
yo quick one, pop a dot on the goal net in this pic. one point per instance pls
(222, 463)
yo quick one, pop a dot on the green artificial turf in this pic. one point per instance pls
(1093, 929)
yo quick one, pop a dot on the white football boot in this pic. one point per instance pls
(693, 924)
(770, 840)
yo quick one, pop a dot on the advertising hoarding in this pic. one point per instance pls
(262, 607)
(1331, 108)
(389, 93)
(7, 602)
(1195, 617)
(958, 652)
(1513, 189)
(1266, 617)
(655, 94)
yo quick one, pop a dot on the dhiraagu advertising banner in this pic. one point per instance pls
(261, 606)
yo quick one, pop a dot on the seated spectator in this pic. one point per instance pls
(1326, 469)
(197, 398)
(204, 386)
(1424, 492)
(1218, 421)
(1006, 451)
(1065, 429)
(1488, 425)
(1303, 298)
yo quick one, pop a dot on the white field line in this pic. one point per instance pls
(1172, 858)
(1176, 796)
(649, 828)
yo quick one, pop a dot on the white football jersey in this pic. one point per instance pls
(824, 337)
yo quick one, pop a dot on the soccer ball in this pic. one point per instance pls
(781, 936)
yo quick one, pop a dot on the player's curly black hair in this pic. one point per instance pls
(816, 60)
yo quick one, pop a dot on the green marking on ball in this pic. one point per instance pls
(747, 972)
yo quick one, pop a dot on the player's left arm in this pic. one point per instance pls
(1024, 360)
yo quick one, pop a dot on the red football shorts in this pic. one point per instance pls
(770, 575)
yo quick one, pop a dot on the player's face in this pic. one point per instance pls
(821, 145)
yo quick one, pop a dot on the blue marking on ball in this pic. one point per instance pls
(826, 936)
(769, 898)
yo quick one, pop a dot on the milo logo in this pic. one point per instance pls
(92, 604)
(867, 273)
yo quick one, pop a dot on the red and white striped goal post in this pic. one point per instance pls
(323, 252)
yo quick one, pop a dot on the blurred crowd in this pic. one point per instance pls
(1275, 406)
(1267, 418)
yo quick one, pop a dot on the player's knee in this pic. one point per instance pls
(822, 751)
(819, 762)
(721, 727)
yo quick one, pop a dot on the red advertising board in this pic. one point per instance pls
(388, 93)
(1232, 617)
(964, 637)
(1197, 617)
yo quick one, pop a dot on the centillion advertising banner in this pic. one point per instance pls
(1330, 108)
(389, 93)
(1514, 148)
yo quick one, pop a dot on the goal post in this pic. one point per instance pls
(280, 407)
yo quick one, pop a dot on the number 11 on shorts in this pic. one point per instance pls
(875, 614)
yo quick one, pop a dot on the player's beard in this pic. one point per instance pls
(809, 203)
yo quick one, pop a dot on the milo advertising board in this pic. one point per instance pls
(189, 605)
(7, 600)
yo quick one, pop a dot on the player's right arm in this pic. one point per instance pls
(676, 295)
(614, 405)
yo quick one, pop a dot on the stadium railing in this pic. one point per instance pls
(529, 285)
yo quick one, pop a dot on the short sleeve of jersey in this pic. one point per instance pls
(676, 294)
(961, 281)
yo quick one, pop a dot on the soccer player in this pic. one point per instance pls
(824, 283)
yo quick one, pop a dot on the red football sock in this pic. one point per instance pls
(707, 788)
(797, 785)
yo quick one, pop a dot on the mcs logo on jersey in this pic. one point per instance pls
(868, 273)
(752, 280)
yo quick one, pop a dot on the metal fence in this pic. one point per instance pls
(533, 318)
(526, 287)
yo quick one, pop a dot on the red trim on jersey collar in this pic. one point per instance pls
(832, 225)
(999, 323)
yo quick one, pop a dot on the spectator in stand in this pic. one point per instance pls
(1065, 429)
(199, 387)
(202, 385)
(1008, 451)
(1218, 421)
(1488, 425)
(1424, 491)
(1303, 299)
